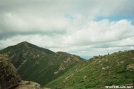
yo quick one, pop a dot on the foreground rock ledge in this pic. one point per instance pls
(10, 79)
(8, 73)
(27, 85)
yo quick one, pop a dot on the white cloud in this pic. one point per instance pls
(93, 39)
(68, 25)
(28, 23)
(102, 31)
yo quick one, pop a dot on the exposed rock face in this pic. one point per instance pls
(8, 74)
(10, 79)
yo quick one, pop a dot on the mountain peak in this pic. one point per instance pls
(24, 43)
(27, 48)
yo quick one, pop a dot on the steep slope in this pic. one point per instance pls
(39, 64)
(98, 72)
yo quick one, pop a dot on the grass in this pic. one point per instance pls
(101, 71)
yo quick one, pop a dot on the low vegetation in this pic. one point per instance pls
(62, 70)
(98, 72)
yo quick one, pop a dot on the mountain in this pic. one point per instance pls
(39, 64)
(24, 50)
(62, 70)
(100, 71)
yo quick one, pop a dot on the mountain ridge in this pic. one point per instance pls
(61, 70)
(115, 69)
(31, 61)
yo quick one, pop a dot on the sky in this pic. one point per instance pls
(83, 27)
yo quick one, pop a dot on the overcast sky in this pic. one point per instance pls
(82, 27)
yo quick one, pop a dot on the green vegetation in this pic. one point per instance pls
(98, 72)
(39, 64)
(66, 71)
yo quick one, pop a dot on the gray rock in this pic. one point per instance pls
(130, 67)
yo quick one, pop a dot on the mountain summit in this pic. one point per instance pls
(23, 51)
(26, 45)
(39, 64)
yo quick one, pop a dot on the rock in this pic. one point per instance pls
(27, 85)
(8, 73)
(130, 67)
(10, 79)
(84, 77)
(130, 84)
(103, 68)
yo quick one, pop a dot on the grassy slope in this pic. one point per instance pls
(98, 72)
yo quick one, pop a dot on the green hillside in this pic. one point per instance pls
(39, 64)
(62, 70)
(98, 72)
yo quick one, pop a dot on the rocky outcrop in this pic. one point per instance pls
(8, 75)
(10, 79)
(130, 67)
(27, 85)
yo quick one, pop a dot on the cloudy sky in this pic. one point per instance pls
(82, 27)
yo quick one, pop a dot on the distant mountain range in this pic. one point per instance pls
(62, 70)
